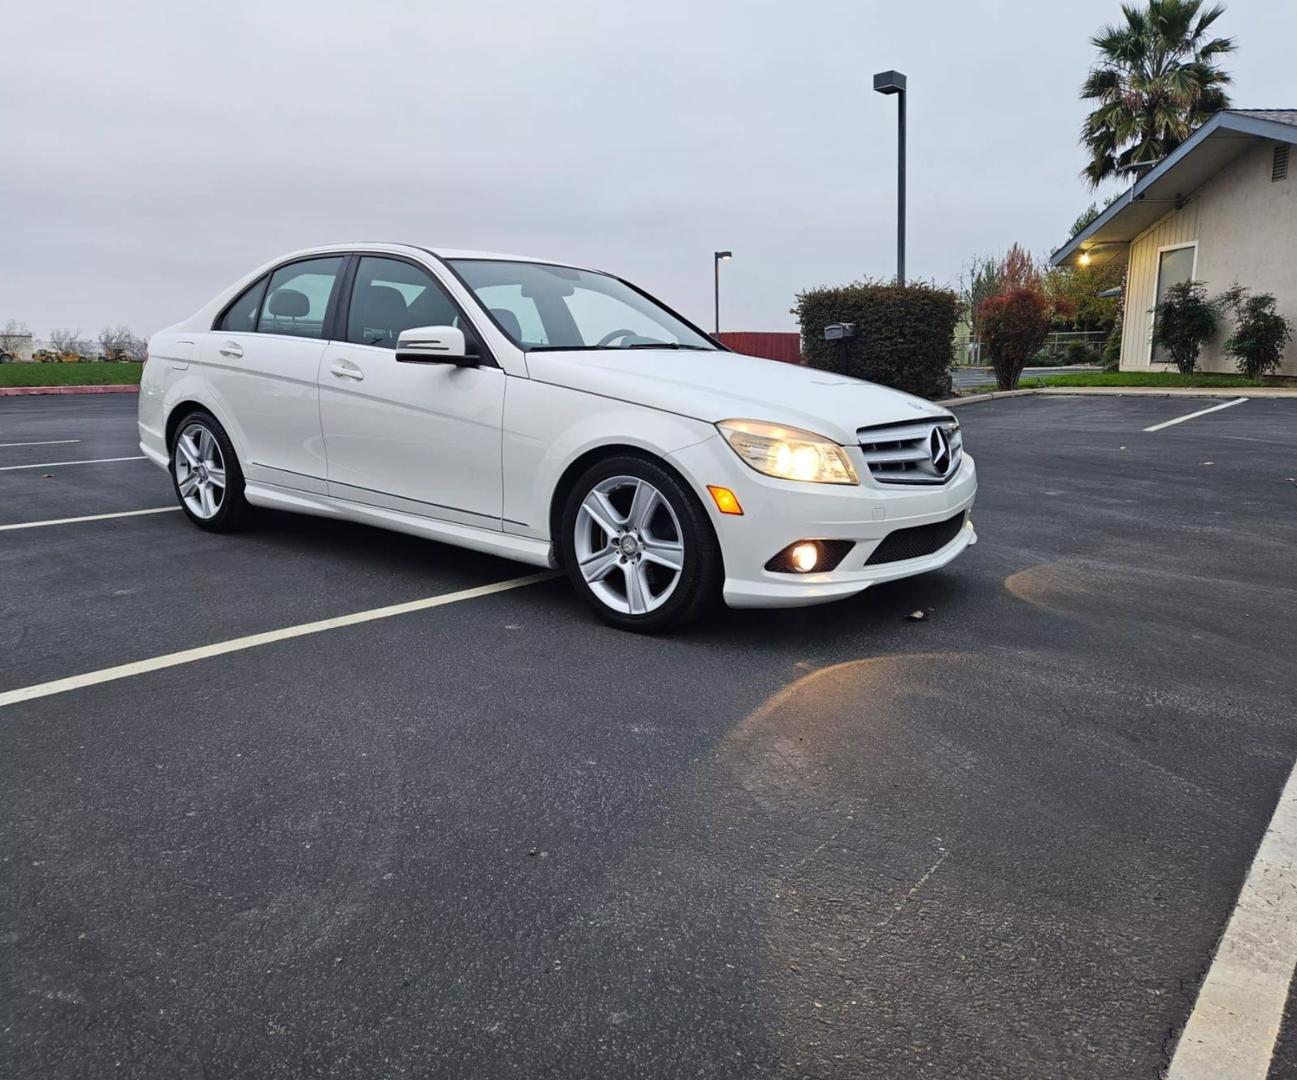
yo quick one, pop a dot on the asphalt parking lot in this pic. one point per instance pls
(495, 838)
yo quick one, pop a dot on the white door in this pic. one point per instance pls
(422, 438)
(262, 362)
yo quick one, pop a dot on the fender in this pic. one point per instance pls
(190, 386)
(547, 428)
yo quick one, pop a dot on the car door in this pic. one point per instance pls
(262, 361)
(421, 438)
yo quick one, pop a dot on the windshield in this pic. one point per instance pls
(558, 307)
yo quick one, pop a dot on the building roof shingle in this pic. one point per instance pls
(1282, 116)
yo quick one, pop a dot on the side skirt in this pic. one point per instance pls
(521, 548)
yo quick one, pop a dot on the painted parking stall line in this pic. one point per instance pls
(269, 637)
(88, 517)
(1231, 1033)
(1192, 415)
(60, 464)
(43, 442)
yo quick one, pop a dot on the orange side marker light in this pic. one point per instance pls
(726, 501)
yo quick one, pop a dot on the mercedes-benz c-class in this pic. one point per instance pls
(555, 415)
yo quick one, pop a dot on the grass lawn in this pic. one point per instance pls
(105, 373)
(1208, 380)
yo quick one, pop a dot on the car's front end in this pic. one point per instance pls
(894, 502)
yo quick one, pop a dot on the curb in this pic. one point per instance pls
(33, 391)
(1277, 392)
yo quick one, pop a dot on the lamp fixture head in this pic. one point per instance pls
(889, 82)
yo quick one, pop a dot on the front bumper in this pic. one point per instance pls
(777, 513)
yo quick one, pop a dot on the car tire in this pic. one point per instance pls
(638, 546)
(206, 475)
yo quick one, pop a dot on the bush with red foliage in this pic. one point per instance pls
(1014, 325)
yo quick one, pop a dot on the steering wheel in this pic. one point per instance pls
(608, 339)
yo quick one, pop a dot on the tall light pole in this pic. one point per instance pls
(719, 257)
(893, 82)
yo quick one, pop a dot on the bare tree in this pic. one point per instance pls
(118, 343)
(14, 335)
(137, 348)
(66, 341)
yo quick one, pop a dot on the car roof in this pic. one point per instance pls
(422, 249)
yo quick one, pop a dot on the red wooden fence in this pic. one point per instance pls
(773, 346)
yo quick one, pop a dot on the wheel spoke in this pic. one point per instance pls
(188, 485)
(668, 553)
(643, 504)
(188, 450)
(217, 477)
(637, 590)
(205, 444)
(205, 497)
(599, 565)
(603, 513)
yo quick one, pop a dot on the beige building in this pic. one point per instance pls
(1220, 209)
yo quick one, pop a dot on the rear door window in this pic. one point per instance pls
(297, 301)
(241, 316)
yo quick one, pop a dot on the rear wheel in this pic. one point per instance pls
(206, 475)
(638, 546)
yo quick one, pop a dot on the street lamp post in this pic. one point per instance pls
(719, 257)
(893, 82)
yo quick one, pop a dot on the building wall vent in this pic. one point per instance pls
(1279, 169)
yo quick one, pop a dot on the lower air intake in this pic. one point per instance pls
(917, 542)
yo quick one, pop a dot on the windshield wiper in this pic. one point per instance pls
(667, 345)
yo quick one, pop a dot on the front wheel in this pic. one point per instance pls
(638, 546)
(206, 474)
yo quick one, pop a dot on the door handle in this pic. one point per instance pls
(342, 369)
(231, 348)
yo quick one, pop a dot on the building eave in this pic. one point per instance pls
(1171, 180)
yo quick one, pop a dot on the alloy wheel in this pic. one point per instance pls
(629, 545)
(200, 471)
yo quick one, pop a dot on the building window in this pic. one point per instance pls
(1279, 169)
(1175, 266)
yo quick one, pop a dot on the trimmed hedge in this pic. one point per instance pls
(903, 339)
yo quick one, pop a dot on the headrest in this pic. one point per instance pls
(289, 303)
(385, 309)
(509, 321)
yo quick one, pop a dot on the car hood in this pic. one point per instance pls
(713, 386)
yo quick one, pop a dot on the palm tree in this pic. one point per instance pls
(1155, 81)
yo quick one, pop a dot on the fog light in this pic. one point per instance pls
(804, 557)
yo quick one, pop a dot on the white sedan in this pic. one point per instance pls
(555, 415)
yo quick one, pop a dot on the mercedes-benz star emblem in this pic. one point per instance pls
(939, 448)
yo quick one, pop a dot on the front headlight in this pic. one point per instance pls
(787, 453)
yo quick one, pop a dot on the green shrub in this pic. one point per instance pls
(1078, 352)
(1015, 324)
(1111, 355)
(1184, 322)
(903, 334)
(1260, 334)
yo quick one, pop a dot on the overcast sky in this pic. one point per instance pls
(153, 152)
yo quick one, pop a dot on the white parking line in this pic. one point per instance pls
(56, 464)
(252, 641)
(88, 517)
(1200, 412)
(47, 442)
(1232, 1030)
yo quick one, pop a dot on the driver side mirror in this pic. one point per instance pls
(434, 345)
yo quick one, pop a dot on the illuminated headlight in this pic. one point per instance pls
(787, 453)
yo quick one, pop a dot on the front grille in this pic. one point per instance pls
(916, 542)
(913, 451)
